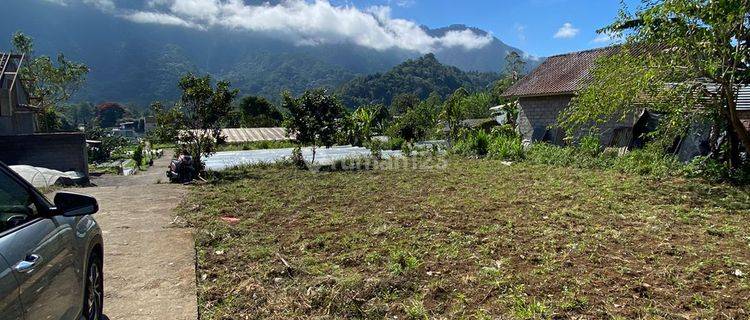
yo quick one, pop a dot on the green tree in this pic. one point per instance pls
(420, 122)
(110, 113)
(515, 67)
(80, 113)
(358, 125)
(168, 123)
(677, 41)
(195, 121)
(403, 103)
(259, 112)
(381, 118)
(453, 112)
(314, 118)
(108, 143)
(49, 83)
(138, 155)
(477, 105)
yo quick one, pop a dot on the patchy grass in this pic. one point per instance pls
(478, 240)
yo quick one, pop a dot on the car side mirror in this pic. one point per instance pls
(73, 204)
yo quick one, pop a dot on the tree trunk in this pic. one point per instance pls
(734, 144)
(739, 130)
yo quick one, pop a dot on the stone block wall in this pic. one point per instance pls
(543, 112)
(58, 151)
(539, 112)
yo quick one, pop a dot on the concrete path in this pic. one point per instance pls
(149, 263)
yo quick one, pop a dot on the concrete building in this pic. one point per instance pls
(549, 88)
(17, 116)
(20, 144)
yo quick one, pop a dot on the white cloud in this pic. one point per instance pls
(159, 18)
(521, 32)
(602, 38)
(530, 57)
(104, 5)
(464, 38)
(205, 10)
(306, 23)
(60, 2)
(405, 3)
(567, 31)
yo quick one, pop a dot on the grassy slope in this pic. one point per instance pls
(478, 240)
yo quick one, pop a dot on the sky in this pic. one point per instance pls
(538, 27)
(530, 25)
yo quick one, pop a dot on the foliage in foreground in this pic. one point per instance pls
(477, 240)
(504, 144)
(673, 48)
(194, 124)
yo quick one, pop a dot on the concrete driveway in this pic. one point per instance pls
(149, 261)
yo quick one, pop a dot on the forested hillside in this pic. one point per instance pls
(420, 76)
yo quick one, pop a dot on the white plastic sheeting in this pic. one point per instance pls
(227, 159)
(43, 177)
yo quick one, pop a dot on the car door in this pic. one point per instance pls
(40, 253)
(10, 305)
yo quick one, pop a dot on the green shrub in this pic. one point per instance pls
(716, 171)
(544, 153)
(257, 145)
(646, 162)
(394, 143)
(407, 149)
(588, 154)
(504, 130)
(138, 155)
(501, 143)
(297, 159)
(376, 149)
(110, 145)
(589, 145)
(507, 148)
(480, 143)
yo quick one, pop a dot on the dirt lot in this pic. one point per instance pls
(477, 240)
(149, 260)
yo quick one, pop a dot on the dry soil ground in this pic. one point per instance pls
(149, 260)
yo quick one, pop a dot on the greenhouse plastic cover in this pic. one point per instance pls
(323, 156)
(43, 177)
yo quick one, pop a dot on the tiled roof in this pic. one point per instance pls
(557, 75)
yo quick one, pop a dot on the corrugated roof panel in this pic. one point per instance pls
(743, 98)
(239, 135)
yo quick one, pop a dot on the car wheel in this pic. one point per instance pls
(94, 294)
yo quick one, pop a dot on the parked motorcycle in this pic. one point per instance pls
(181, 170)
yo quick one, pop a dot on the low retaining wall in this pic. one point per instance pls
(58, 151)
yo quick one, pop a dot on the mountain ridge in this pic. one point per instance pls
(139, 63)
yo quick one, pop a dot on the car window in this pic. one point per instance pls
(16, 204)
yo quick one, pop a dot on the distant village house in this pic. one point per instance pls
(549, 88)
